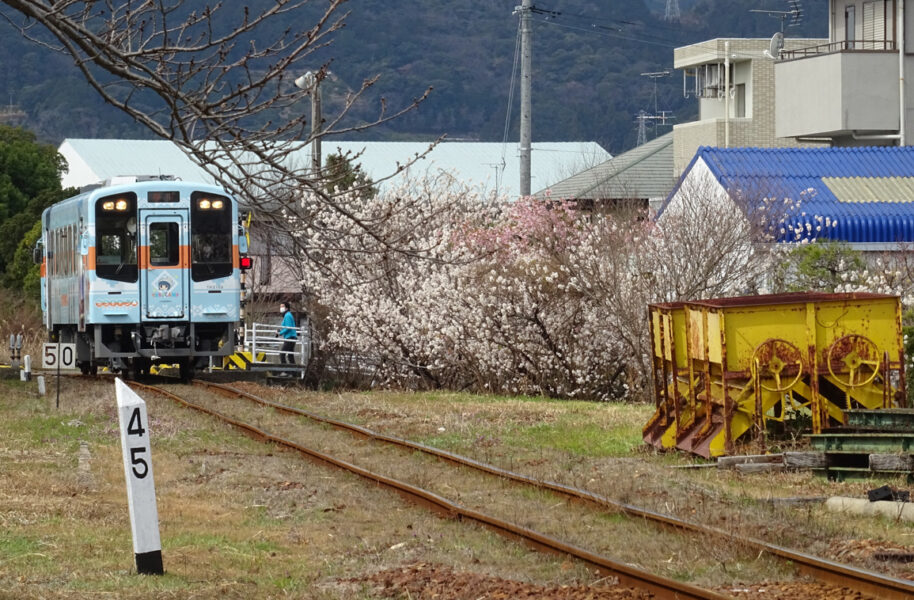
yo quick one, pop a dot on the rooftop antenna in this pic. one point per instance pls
(791, 17)
(655, 76)
(775, 46)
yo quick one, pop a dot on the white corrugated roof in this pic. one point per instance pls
(92, 161)
(492, 165)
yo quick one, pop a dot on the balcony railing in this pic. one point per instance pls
(842, 46)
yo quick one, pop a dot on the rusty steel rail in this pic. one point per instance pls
(663, 588)
(826, 571)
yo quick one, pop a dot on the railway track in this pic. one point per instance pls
(832, 575)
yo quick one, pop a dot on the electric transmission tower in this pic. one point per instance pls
(672, 10)
(642, 127)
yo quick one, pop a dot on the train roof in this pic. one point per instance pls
(92, 193)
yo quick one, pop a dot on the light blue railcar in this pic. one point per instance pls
(143, 273)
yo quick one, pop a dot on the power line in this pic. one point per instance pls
(615, 36)
(504, 139)
(554, 14)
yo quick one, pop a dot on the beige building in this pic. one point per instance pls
(852, 89)
(744, 117)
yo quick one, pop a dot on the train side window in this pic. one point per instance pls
(164, 245)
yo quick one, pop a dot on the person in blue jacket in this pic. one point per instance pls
(288, 334)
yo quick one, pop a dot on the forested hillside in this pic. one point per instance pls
(588, 60)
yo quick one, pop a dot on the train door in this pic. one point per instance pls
(166, 262)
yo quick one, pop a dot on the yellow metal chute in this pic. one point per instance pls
(723, 368)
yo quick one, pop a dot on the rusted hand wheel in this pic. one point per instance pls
(857, 353)
(771, 357)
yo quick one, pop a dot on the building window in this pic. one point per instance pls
(850, 26)
(874, 25)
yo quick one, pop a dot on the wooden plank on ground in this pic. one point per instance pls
(891, 462)
(805, 460)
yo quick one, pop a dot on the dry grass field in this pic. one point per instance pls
(241, 519)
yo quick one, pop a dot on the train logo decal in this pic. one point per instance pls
(165, 286)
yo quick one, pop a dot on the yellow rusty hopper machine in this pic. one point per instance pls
(723, 368)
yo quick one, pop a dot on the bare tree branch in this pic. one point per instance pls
(218, 82)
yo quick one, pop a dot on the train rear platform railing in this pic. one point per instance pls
(725, 369)
(262, 349)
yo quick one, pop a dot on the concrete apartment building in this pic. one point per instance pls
(851, 90)
(746, 116)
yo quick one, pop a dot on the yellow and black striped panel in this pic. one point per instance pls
(241, 360)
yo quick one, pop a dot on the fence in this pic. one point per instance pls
(261, 339)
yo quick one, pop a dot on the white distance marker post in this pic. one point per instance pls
(141, 493)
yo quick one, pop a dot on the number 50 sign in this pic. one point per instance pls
(58, 356)
(141, 493)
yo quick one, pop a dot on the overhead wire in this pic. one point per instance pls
(629, 30)
(664, 44)
(504, 142)
(592, 19)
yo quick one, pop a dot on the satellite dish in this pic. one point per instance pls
(775, 46)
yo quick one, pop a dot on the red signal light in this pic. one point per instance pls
(246, 263)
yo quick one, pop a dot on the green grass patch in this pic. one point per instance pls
(585, 429)
(12, 546)
(193, 441)
(57, 429)
(613, 518)
(581, 440)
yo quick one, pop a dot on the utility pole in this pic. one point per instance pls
(526, 75)
(312, 83)
(316, 121)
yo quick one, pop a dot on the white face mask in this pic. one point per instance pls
(282, 309)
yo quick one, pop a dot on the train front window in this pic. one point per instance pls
(115, 249)
(211, 236)
(164, 246)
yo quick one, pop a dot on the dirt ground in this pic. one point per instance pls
(240, 519)
(434, 582)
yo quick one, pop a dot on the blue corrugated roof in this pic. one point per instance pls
(803, 176)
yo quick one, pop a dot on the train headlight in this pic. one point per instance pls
(204, 204)
(121, 205)
(109, 205)
(217, 204)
